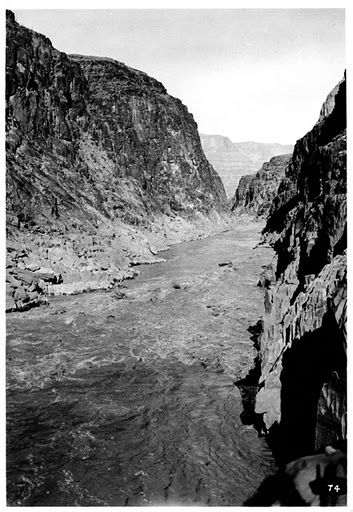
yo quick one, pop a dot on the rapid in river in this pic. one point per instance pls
(129, 397)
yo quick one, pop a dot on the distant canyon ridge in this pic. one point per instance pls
(232, 160)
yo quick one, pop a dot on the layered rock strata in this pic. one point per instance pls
(255, 193)
(232, 160)
(104, 169)
(302, 392)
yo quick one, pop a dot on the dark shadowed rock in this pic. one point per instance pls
(303, 345)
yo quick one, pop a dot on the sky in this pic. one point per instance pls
(248, 74)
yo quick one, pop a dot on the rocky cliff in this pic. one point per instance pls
(232, 160)
(302, 392)
(104, 169)
(255, 193)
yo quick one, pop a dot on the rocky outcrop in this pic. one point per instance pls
(302, 392)
(329, 103)
(232, 160)
(255, 193)
(104, 168)
(240, 196)
(152, 137)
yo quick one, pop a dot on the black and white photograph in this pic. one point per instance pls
(175, 183)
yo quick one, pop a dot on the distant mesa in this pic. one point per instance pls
(232, 160)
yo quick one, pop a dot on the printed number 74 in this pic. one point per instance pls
(335, 488)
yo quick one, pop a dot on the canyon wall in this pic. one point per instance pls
(255, 193)
(232, 160)
(302, 388)
(104, 169)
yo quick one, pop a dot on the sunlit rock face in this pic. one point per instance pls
(104, 169)
(303, 346)
(255, 193)
(232, 160)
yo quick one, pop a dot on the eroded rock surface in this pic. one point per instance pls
(303, 346)
(104, 170)
(255, 193)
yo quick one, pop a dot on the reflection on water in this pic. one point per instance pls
(133, 402)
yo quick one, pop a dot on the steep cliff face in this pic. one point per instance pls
(255, 193)
(232, 160)
(151, 136)
(104, 168)
(303, 346)
(241, 194)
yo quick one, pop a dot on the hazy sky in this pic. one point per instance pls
(249, 74)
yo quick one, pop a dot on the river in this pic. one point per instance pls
(129, 398)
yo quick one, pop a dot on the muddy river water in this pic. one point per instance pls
(129, 398)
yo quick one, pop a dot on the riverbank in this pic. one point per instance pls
(46, 261)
